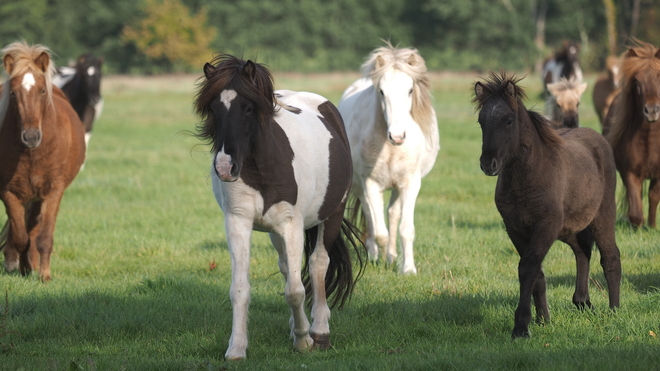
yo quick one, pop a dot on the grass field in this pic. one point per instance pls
(139, 234)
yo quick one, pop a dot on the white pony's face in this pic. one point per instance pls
(396, 90)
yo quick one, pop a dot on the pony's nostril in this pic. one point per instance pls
(493, 165)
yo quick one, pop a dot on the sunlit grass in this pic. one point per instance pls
(139, 229)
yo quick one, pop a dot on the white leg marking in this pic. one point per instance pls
(28, 81)
(227, 96)
(375, 203)
(407, 226)
(238, 238)
(318, 267)
(393, 216)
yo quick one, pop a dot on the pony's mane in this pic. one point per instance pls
(227, 74)
(408, 61)
(24, 57)
(643, 58)
(496, 85)
(565, 84)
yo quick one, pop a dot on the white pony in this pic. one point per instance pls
(393, 132)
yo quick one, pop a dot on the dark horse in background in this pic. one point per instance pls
(42, 147)
(282, 165)
(633, 129)
(565, 62)
(551, 185)
(82, 86)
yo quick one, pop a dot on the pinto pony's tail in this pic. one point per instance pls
(356, 216)
(4, 235)
(341, 277)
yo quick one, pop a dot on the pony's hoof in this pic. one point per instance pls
(303, 344)
(409, 271)
(520, 333)
(235, 356)
(321, 341)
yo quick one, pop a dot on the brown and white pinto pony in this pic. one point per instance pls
(633, 129)
(282, 165)
(42, 146)
(566, 95)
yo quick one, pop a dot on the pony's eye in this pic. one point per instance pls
(381, 91)
(43, 92)
(410, 92)
(510, 122)
(248, 110)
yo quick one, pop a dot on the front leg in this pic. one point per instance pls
(529, 273)
(407, 227)
(633, 186)
(15, 249)
(373, 200)
(239, 230)
(654, 198)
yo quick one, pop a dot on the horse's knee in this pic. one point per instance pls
(295, 294)
(636, 218)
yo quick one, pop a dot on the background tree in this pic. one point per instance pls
(172, 37)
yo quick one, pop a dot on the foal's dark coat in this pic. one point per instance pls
(84, 90)
(552, 185)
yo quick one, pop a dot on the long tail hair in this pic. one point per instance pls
(356, 215)
(340, 279)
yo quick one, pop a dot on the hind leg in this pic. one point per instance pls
(610, 259)
(654, 198)
(581, 244)
(541, 299)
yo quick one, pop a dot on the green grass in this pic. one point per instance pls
(137, 231)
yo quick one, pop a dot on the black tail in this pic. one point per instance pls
(340, 279)
(356, 216)
(4, 235)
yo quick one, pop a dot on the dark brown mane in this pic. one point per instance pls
(227, 74)
(640, 57)
(496, 85)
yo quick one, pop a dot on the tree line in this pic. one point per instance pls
(163, 36)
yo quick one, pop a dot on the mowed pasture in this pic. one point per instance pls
(141, 270)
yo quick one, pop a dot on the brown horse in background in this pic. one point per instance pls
(42, 146)
(606, 87)
(635, 132)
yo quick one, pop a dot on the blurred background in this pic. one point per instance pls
(172, 36)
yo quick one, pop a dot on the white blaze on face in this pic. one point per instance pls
(28, 81)
(227, 96)
(91, 71)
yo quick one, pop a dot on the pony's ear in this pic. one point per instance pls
(380, 62)
(582, 88)
(657, 53)
(631, 53)
(412, 60)
(42, 61)
(208, 70)
(478, 90)
(249, 71)
(511, 89)
(553, 88)
(8, 61)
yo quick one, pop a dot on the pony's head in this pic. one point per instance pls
(502, 115)
(235, 99)
(567, 95)
(89, 67)
(401, 81)
(28, 87)
(641, 79)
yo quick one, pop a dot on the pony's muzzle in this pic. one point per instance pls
(397, 140)
(31, 138)
(652, 112)
(225, 168)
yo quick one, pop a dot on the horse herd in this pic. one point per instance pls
(307, 172)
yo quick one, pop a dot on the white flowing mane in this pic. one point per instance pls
(409, 61)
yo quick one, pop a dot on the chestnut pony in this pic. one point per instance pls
(551, 185)
(42, 147)
(632, 128)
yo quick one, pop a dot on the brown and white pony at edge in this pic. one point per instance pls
(632, 126)
(42, 146)
(566, 94)
(282, 165)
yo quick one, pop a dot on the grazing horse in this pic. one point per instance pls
(563, 63)
(281, 164)
(606, 88)
(566, 95)
(42, 147)
(394, 139)
(551, 185)
(633, 129)
(82, 86)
